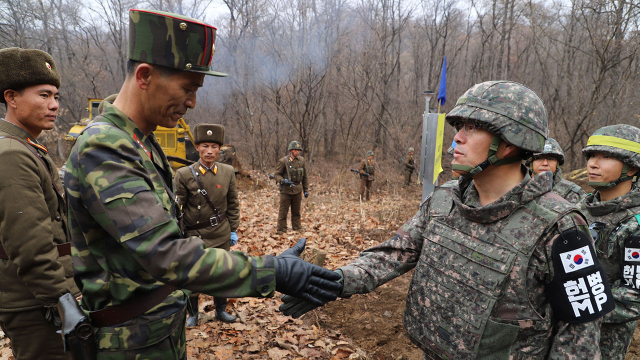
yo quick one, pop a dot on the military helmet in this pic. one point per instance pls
(295, 145)
(511, 111)
(621, 141)
(410, 149)
(551, 147)
(369, 153)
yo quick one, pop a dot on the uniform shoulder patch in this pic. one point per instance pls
(580, 290)
(631, 263)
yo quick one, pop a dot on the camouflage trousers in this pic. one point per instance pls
(32, 336)
(365, 188)
(407, 177)
(615, 339)
(172, 347)
(289, 201)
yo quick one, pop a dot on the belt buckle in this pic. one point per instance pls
(211, 219)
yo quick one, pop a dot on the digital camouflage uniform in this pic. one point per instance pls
(32, 222)
(294, 169)
(565, 188)
(616, 228)
(366, 167)
(409, 166)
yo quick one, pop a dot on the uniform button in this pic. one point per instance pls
(265, 288)
(198, 207)
(58, 218)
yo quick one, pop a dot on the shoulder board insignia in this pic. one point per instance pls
(215, 169)
(202, 170)
(36, 145)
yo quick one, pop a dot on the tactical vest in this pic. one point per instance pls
(369, 168)
(295, 173)
(564, 188)
(468, 284)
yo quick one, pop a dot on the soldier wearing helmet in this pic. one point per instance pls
(613, 160)
(409, 166)
(291, 174)
(504, 267)
(550, 159)
(366, 169)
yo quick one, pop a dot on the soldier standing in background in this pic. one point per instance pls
(130, 257)
(367, 170)
(613, 210)
(35, 255)
(550, 159)
(409, 166)
(209, 197)
(504, 267)
(291, 174)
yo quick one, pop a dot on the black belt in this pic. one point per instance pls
(63, 249)
(213, 222)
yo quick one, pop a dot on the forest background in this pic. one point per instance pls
(346, 76)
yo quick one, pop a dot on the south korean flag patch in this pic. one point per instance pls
(579, 291)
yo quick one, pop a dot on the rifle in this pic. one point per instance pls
(358, 171)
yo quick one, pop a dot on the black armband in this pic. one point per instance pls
(580, 291)
(631, 263)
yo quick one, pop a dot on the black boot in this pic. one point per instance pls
(221, 314)
(192, 320)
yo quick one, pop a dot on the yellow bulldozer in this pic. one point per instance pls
(177, 143)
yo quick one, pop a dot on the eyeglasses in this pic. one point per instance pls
(469, 128)
(549, 158)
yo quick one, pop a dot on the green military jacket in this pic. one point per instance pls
(409, 164)
(126, 240)
(32, 222)
(220, 185)
(297, 172)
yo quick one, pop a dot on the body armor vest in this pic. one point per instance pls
(563, 187)
(369, 168)
(295, 173)
(468, 283)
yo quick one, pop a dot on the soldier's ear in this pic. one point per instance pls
(632, 171)
(143, 75)
(10, 98)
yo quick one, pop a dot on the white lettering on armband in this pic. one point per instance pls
(631, 276)
(583, 297)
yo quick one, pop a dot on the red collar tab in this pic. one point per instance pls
(36, 145)
(135, 138)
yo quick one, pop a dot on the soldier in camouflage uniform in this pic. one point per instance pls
(291, 174)
(213, 214)
(613, 210)
(35, 255)
(129, 255)
(504, 267)
(550, 159)
(409, 166)
(367, 169)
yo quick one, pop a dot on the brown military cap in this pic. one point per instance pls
(209, 133)
(21, 68)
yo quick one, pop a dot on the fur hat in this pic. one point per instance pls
(21, 68)
(209, 133)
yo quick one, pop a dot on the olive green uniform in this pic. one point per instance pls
(366, 167)
(220, 184)
(32, 223)
(294, 169)
(409, 166)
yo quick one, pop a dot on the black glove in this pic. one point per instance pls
(306, 194)
(287, 182)
(297, 307)
(51, 315)
(304, 280)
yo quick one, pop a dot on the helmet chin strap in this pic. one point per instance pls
(599, 185)
(492, 159)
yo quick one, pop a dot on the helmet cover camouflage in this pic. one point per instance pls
(507, 109)
(551, 147)
(621, 141)
(410, 149)
(295, 145)
(369, 153)
(171, 40)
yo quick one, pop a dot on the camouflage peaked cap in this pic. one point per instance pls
(620, 141)
(171, 40)
(507, 109)
(294, 145)
(410, 149)
(212, 133)
(551, 147)
(21, 68)
(369, 153)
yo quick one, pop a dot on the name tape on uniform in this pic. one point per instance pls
(577, 259)
(632, 254)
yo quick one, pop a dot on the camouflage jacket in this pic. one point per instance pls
(223, 193)
(616, 228)
(32, 223)
(126, 240)
(295, 165)
(520, 317)
(568, 190)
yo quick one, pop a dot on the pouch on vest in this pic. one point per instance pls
(580, 291)
(296, 174)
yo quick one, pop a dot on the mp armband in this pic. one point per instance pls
(580, 291)
(631, 263)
